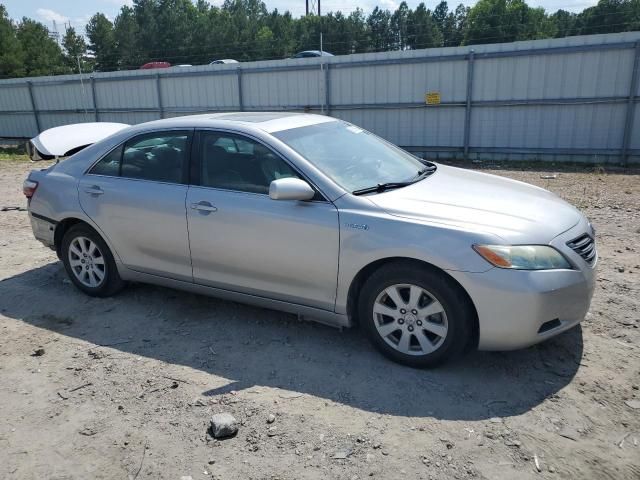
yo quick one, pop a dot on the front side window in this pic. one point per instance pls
(233, 162)
(350, 156)
(159, 156)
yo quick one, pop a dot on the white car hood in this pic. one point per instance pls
(515, 211)
(58, 141)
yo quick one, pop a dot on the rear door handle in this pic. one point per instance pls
(94, 190)
(204, 207)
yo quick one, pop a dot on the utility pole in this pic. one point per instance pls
(307, 4)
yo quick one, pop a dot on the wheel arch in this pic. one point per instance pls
(63, 227)
(365, 272)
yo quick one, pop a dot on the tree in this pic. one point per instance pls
(610, 16)
(423, 29)
(400, 26)
(381, 35)
(101, 42)
(495, 21)
(11, 52)
(75, 50)
(565, 23)
(42, 55)
(125, 40)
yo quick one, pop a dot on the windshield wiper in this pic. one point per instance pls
(382, 187)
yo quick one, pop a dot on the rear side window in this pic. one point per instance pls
(159, 156)
(109, 165)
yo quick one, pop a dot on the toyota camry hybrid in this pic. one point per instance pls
(313, 215)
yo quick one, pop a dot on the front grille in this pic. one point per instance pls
(585, 246)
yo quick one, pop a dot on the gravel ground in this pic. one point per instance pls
(124, 387)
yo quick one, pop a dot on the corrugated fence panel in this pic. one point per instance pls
(549, 126)
(18, 125)
(219, 91)
(66, 96)
(578, 75)
(14, 98)
(130, 118)
(127, 94)
(398, 83)
(50, 120)
(567, 98)
(635, 132)
(411, 127)
(280, 90)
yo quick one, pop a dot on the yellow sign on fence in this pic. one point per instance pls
(432, 98)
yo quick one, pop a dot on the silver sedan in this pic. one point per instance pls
(312, 215)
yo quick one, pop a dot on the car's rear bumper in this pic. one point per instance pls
(43, 228)
(519, 308)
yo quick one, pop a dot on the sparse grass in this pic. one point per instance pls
(13, 154)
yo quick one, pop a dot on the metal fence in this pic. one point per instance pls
(575, 98)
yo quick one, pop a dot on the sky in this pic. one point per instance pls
(78, 12)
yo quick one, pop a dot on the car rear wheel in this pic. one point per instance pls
(415, 315)
(89, 262)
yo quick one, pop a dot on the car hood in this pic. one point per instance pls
(515, 211)
(59, 141)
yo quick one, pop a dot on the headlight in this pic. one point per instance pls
(523, 257)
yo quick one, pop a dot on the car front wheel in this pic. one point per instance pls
(89, 262)
(415, 316)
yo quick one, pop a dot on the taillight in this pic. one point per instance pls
(29, 188)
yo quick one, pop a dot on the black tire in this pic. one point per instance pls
(459, 314)
(111, 283)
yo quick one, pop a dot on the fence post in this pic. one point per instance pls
(240, 99)
(631, 104)
(467, 112)
(327, 87)
(33, 105)
(159, 91)
(93, 98)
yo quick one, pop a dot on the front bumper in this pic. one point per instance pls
(518, 308)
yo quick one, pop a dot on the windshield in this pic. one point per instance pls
(352, 157)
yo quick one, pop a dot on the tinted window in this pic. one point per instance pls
(232, 162)
(160, 156)
(109, 164)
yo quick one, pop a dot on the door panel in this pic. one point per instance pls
(145, 222)
(136, 195)
(246, 242)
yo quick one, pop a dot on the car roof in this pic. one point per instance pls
(269, 122)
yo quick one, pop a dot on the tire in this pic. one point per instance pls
(429, 322)
(89, 262)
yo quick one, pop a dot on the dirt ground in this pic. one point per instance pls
(126, 385)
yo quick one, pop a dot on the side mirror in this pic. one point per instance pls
(290, 189)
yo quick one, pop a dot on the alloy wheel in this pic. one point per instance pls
(410, 319)
(87, 262)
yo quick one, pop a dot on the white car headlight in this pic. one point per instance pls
(523, 257)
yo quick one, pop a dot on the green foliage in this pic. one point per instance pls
(102, 42)
(11, 52)
(42, 55)
(75, 51)
(184, 31)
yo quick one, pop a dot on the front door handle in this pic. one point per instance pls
(94, 190)
(204, 207)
